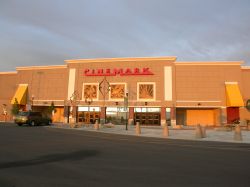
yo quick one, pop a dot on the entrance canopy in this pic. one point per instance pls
(234, 97)
(21, 94)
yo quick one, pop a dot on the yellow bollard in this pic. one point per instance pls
(165, 130)
(198, 132)
(237, 133)
(137, 128)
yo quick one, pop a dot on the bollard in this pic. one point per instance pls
(137, 128)
(96, 125)
(72, 125)
(165, 130)
(203, 131)
(198, 132)
(237, 133)
(248, 127)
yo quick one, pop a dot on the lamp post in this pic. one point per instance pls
(104, 88)
(88, 100)
(74, 101)
(126, 108)
(32, 100)
(4, 111)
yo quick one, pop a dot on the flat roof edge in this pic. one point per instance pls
(169, 58)
(210, 63)
(245, 67)
(41, 67)
(8, 73)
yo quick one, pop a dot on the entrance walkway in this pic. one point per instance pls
(212, 134)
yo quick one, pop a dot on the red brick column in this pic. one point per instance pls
(173, 116)
(103, 115)
(131, 116)
(163, 115)
(223, 116)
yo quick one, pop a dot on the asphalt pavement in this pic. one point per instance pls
(52, 156)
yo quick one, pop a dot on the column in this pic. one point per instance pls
(163, 116)
(103, 115)
(173, 116)
(131, 116)
(223, 115)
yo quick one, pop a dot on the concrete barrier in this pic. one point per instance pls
(237, 133)
(137, 128)
(72, 125)
(198, 132)
(96, 125)
(165, 130)
(203, 131)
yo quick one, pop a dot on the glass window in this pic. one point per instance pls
(85, 109)
(146, 109)
(115, 115)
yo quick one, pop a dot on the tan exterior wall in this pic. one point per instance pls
(204, 85)
(156, 66)
(246, 83)
(195, 85)
(8, 88)
(45, 84)
(244, 113)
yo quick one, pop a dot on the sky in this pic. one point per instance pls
(47, 32)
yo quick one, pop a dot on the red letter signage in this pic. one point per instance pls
(116, 71)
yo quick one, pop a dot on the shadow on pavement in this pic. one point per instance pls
(78, 155)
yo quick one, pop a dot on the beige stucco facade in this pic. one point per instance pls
(159, 90)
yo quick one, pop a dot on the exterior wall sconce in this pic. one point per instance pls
(146, 103)
(116, 103)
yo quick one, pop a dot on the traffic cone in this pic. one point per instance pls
(165, 130)
(137, 128)
(198, 132)
(96, 125)
(237, 133)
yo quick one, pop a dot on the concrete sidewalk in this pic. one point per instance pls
(185, 134)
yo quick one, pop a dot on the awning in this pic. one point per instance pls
(234, 98)
(21, 94)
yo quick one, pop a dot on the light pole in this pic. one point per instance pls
(104, 87)
(88, 100)
(74, 101)
(4, 111)
(126, 108)
(32, 100)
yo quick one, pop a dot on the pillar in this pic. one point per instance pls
(223, 115)
(163, 116)
(131, 116)
(103, 115)
(173, 116)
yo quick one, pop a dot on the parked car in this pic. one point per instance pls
(31, 118)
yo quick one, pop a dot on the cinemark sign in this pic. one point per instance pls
(117, 71)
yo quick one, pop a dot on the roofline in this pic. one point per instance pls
(245, 67)
(8, 73)
(200, 63)
(170, 58)
(41, 67)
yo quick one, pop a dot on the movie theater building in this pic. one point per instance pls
(152, 91)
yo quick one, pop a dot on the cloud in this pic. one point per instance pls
(48, 32)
